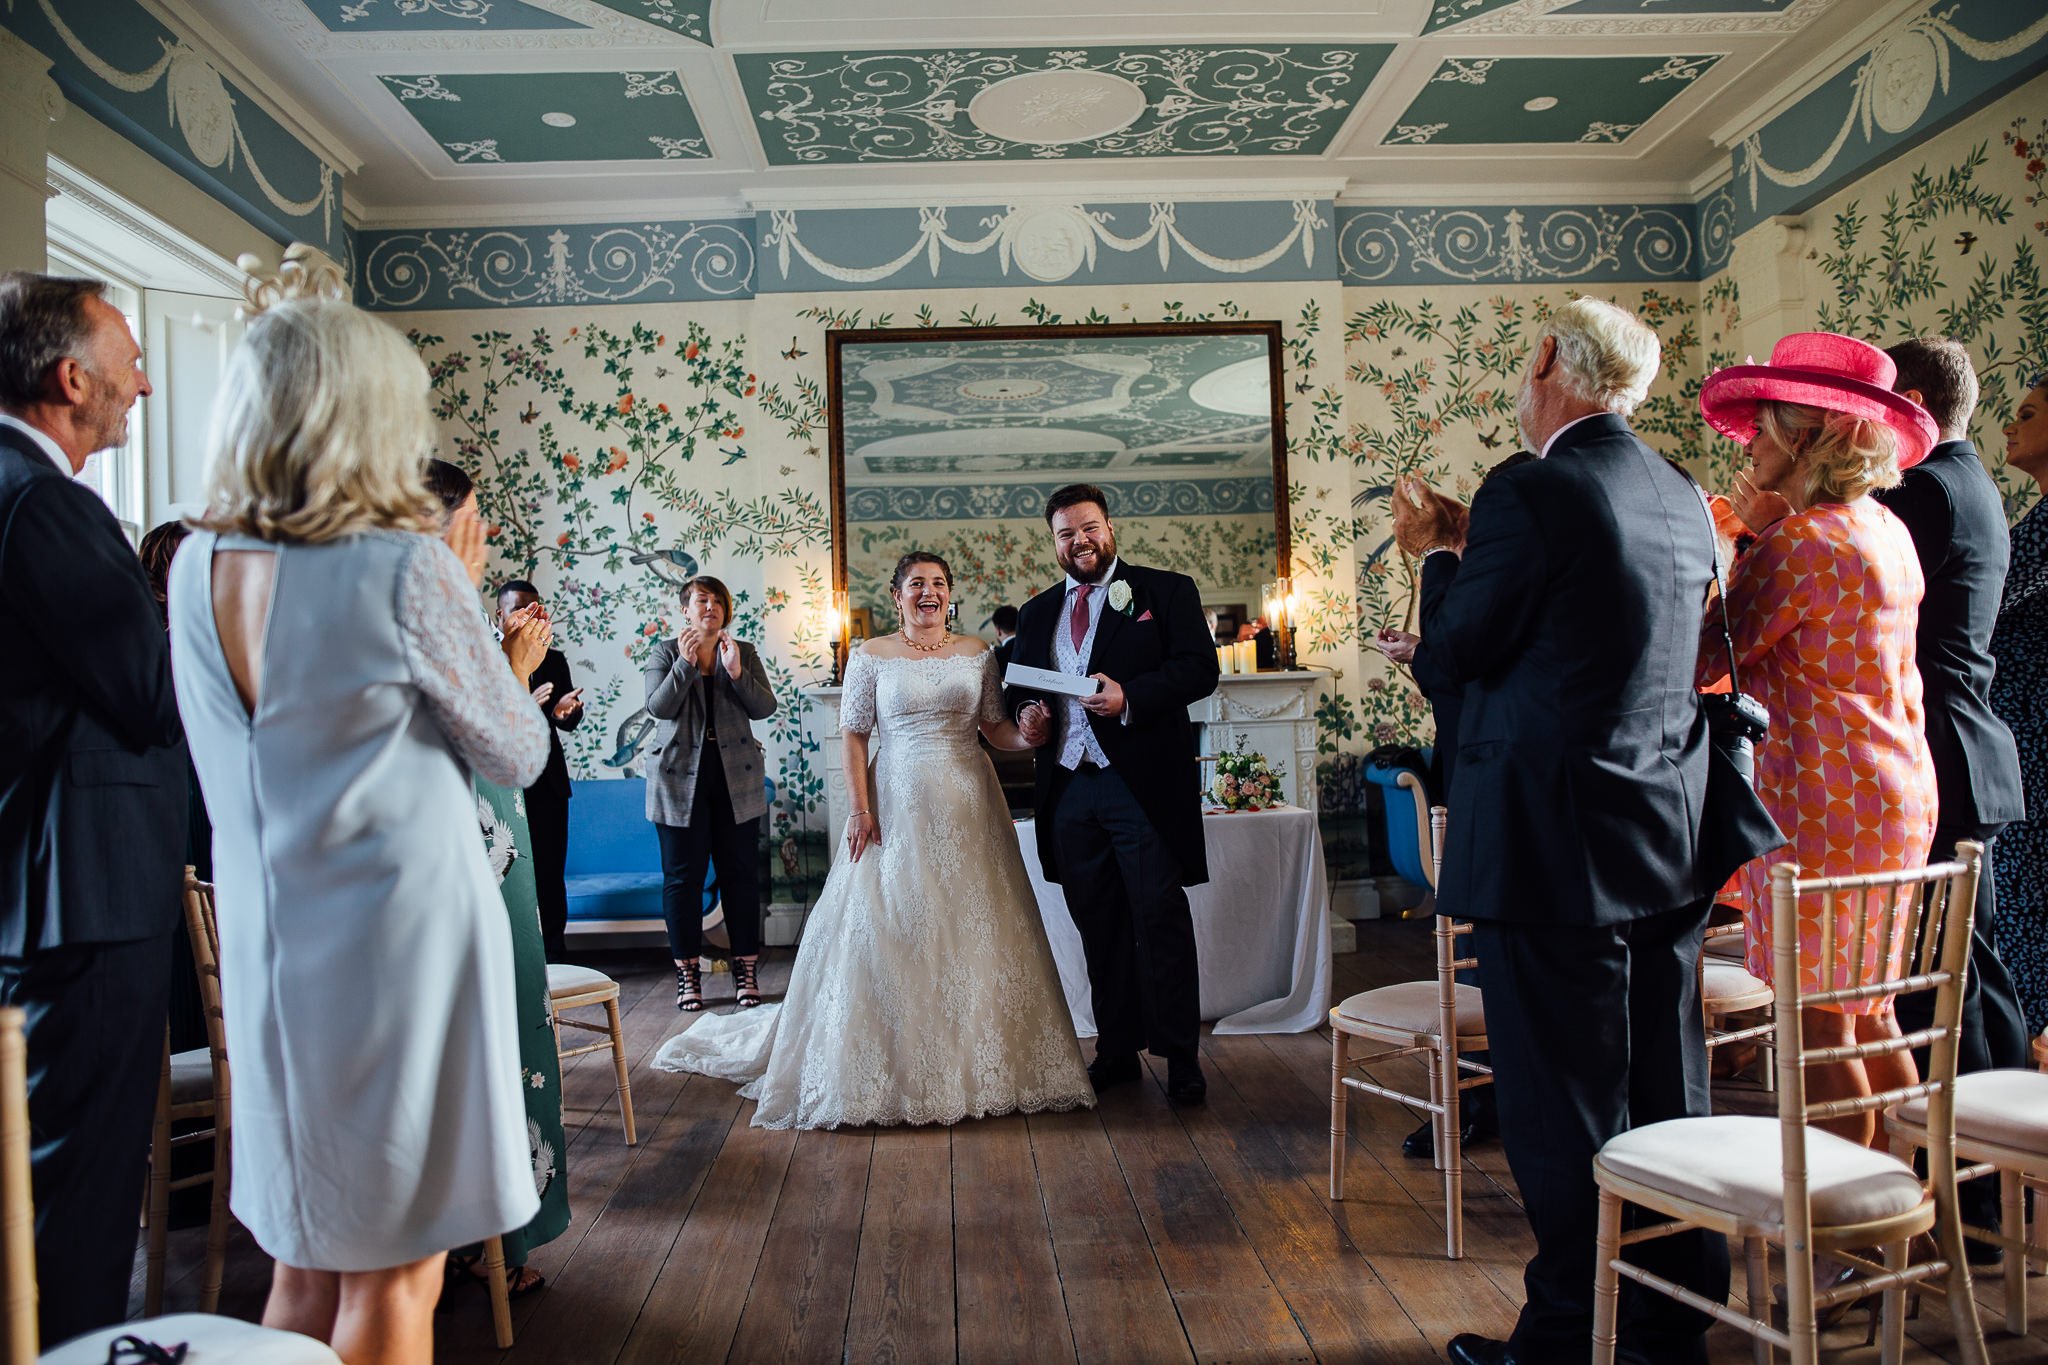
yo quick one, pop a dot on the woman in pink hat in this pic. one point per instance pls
(1824, 605)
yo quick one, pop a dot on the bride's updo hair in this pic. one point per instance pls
(915, 557)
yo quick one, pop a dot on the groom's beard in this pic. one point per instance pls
(1105, 555)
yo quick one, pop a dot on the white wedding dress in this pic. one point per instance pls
(924, 991)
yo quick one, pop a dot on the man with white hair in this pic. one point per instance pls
(1568, 604)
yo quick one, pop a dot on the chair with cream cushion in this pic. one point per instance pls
(1727, 987)
(571, 987)
(1760, 1180)
(1436, 1020)
(211, 1340)
(2001, 1127)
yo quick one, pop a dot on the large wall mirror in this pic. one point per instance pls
(950, 440)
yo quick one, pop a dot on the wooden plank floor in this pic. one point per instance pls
(1130, 1234)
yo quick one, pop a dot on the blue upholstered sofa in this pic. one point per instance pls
(613, 869)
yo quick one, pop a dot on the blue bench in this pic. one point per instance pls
(1407, 799)
(613, 869)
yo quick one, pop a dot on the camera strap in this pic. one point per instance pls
(1720, 584)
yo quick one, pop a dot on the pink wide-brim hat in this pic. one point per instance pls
(1819, 370)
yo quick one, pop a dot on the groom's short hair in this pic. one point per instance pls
(1072, 494)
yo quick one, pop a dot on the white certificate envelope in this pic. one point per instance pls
(1047, 680)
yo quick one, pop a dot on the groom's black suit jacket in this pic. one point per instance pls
(1162, 655)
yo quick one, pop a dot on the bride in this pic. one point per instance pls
(925, 991)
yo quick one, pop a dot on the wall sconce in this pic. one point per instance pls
(838, 619)
(1279, 609)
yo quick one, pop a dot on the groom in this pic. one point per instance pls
(1119, 806)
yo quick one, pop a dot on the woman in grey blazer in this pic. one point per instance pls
(707, 793)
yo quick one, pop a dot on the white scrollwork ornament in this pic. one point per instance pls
(200, 106)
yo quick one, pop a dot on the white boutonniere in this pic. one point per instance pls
(1120, 596)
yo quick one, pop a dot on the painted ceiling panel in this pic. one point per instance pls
(554, 115)
(1543, 99)
(1669, 7)
(826, 108)
(421, 16)
(691, 18)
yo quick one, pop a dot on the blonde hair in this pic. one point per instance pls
(322, 427)
(1840, 457)
(1608, 356)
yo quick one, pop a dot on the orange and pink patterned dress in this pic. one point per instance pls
(1824, 607)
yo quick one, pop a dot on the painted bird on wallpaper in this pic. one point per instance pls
(795, 352)
(632, 733)
(1490, 439)
(529, 415)
(1966, 240)
(731, 456)
(674, 567)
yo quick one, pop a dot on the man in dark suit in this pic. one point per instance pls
(1119, 812)
(1568, 607)
(92, 793)
(1957, 519)
(1446, 699)
(1004, 619)
(547, 800)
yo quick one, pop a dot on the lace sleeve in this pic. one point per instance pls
(459, 669)
(857, 704)
(992, 712)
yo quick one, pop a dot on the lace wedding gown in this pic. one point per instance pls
(925, 991)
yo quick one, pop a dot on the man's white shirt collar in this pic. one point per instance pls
(1544, 454)
(1073, 582)
(43, 442)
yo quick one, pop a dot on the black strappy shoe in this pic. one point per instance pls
(689, 989)
(747, 981)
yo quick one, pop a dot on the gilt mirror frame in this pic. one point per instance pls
(837, 340)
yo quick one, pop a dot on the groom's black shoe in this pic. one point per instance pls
(1105, 1073)
(1469, 1348)
(1184, 1083)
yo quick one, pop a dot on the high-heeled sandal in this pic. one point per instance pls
(689, 989)
(746, 980)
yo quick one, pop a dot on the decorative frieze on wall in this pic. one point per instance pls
(809, 250)
(145, 80)
(1594, 244)
(1916, 78)
(532, 266)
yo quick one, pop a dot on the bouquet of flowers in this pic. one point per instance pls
(1244, 780)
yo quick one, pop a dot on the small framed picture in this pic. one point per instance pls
(860, 624)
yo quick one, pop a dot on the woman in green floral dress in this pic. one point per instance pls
(501, 816)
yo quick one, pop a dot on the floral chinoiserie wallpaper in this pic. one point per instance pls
(621, 448)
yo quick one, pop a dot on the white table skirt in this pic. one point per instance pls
(1262, 927)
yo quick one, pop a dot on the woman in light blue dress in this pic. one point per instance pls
(338, 687)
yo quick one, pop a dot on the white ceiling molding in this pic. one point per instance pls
(1540, 17)
(1818, 70)
(603, 28)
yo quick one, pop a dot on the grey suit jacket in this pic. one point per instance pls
(675, 698)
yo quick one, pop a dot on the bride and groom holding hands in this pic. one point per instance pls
(924, 990)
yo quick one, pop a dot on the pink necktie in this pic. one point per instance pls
(1077, 624)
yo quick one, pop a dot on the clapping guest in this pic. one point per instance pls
(1824, 608)
(707, 795)
(92, 792)
(547, 801)
(339, 684)
(2019, 694)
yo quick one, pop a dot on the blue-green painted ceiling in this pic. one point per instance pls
(554, 115)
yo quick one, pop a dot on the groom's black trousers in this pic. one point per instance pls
(1124, 893)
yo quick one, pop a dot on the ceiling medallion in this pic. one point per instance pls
(558, 119)
(1053, 108)
(1540, 104)
(1004, 390)
(1902, 74)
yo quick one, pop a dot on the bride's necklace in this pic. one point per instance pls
(927, 649)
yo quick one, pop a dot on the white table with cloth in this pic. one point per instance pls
(1262, 924)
